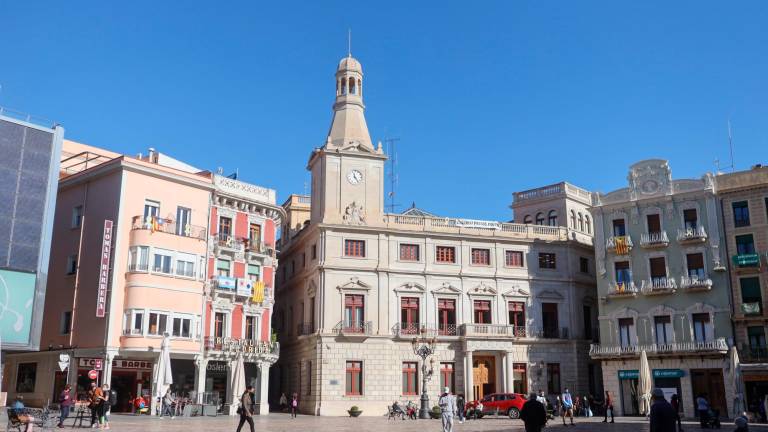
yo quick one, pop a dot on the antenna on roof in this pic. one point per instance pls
(393, 178)
(349, 42)
(730, 144)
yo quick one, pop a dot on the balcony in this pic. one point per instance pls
(753, 354)
(654, 240)
(168, 226)
(227, 243)
(304, 329)
(622, 289)
(691, 235)
(747, 261)
(353, 329)
(621, 245)
(508, 331)
(658, 286)
(714, 346)
(257, 247)
(409, 330)
(696, 283)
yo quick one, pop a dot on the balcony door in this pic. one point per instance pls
(619, 229)
(626, 332)
(654, 223)
(517, 317)
(691, 219)
(354, 311)
(183, 221)
(549, 319)
(409, 315)
(663, 329)
(446, 316)
(658, 271)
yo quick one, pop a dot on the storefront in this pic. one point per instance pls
(710, 382)
(755, 391)
(668, 380)
(130, 378)
(84, 366)
(630, 401)
(216, 382)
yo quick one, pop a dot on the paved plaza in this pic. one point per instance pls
(283, 422)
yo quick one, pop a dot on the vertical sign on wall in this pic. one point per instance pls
(106, 252)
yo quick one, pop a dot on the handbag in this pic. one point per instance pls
(240, 410)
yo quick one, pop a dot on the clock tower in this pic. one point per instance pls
(347, 171)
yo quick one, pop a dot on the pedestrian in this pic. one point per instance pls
(663, 416)
(533, 414)
(675, 402)
(567, 402)
(587, 408)
(65, 402)
(95, 401)
(108, 399)
(447, 405)
(283, 402)
(460, 407)
(742, 425)
(167, 405)
(542, 398)
(294, 405)
(608, 407)
(702, 406)
(245, 409)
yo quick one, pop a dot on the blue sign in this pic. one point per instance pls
(226, 282)
(17, 296)
(668, 373)
(629, 374)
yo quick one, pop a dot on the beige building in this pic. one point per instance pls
(511, 305)
(744, 203)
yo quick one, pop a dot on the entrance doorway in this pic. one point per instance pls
(484, 375)
(710, 383)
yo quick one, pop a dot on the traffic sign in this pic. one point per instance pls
(92, 374)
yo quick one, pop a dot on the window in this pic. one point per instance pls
(573, 219)
(482, 310)
(219, 324)
(481, 256)
(182, 327)
(26, 376)
(66, 323)
(741, 214)
(135, 321)
(139, 258)
(409, 252)
(151, 210)
(654, 223)
(553, 378)
(700, 325)
(447, 376)
(550, 320)
(71, 264)
(513, 258)
(626, 332)
(623, 273)
(410, 377)
(225, 227)
(587, 224)
(314, 251)
(547, 261)
(539, 218)
(690, 219)
(222, 267)
(446, 316)
(183, 221)
(581, 222)
(584, 265)
(354, 312)
(658, 270)
(552, 218)
(745, 245)
(527, 220)
(77, 215)
(185, 266)
(254, 272)
(354, 248)
(445, 254)
(162, 261)
(663, 327)
(695, 263)
(251, 330)
(751, 295)
(586, 314)
(756, 336)
(409, 315)
(312, 314)
(254, 234)
(619, 229)
(516, 311)
(158, 323)
(354, 378)
(520, 378)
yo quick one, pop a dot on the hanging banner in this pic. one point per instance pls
(106, 253)
(244, 287)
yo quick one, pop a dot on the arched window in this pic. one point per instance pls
(338, 87)
(552, 218)
(360, 87)
(539, 218)
(573, 219)
(527, 220)
(352, 89)
(581, 223)
(587, 224)
(343, 86)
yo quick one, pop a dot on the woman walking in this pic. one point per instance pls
(65, 402)
(245, 410)
(294, 405)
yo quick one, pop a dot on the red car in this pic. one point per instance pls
(503, 403)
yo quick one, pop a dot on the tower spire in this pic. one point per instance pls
(348, 128)
(349, 42)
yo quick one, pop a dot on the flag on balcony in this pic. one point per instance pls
(258, 292)
(155, 224)
(622, 247)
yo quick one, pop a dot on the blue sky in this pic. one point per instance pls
(486, 97)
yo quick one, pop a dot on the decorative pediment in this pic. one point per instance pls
(446, 288)
(354, 284)
(483, 288)
(410, 287)
(516, 291)
(550, 294)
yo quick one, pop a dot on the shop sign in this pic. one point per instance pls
(755, 377)
(629, 374)
(248, 346)
(244, 287)
(132, 364)
(216, 367)
(226, 282)
(106, 253)
(668, 373)
(90, 363)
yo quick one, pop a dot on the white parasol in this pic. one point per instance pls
(644, 385)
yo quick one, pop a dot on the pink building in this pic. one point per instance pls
(129, 264)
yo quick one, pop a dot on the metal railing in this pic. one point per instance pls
(227, 241)
(611, 242)
(713, 345)
(504, 330)
(622, 289)
(167, 226)
(695, 281)
(753, 354)
(654, 239)
(691, 234)
(658, 285)
(138, 267)
(353, 328)
(409, 330)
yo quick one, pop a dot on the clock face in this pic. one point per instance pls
(650, 186)
(354, 177)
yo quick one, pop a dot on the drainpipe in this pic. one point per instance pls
(204, 308)
(731, 305)
(77, 270)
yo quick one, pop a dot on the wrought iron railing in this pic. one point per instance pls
(168, 226)
(654, 239)
(691, 234)
(658, 285)
(622, 289)
(353, 328)
(695, 281)
(713, 345)
(504, 330)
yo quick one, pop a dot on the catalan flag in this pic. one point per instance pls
(155, 224)
(258, 292)
(622, 246)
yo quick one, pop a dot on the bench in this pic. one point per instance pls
(42, 418)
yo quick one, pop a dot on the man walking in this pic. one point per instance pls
(65, 402)
(246, 407)
(167, 405)
(460, 407)
(567, 401)
(447, 405)
(608, 407)
(533, 414)
(95, 399)
(663, 416)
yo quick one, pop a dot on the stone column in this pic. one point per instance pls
(263, 390)
(201, 366)
(510, 374)
(106, 377)
(468, 378)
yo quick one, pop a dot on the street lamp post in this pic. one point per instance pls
(424, 347)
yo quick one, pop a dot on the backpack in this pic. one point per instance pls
(112, 398)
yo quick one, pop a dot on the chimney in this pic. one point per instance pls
(152, 155)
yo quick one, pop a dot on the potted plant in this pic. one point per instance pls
(435, 412)
(354, 411)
